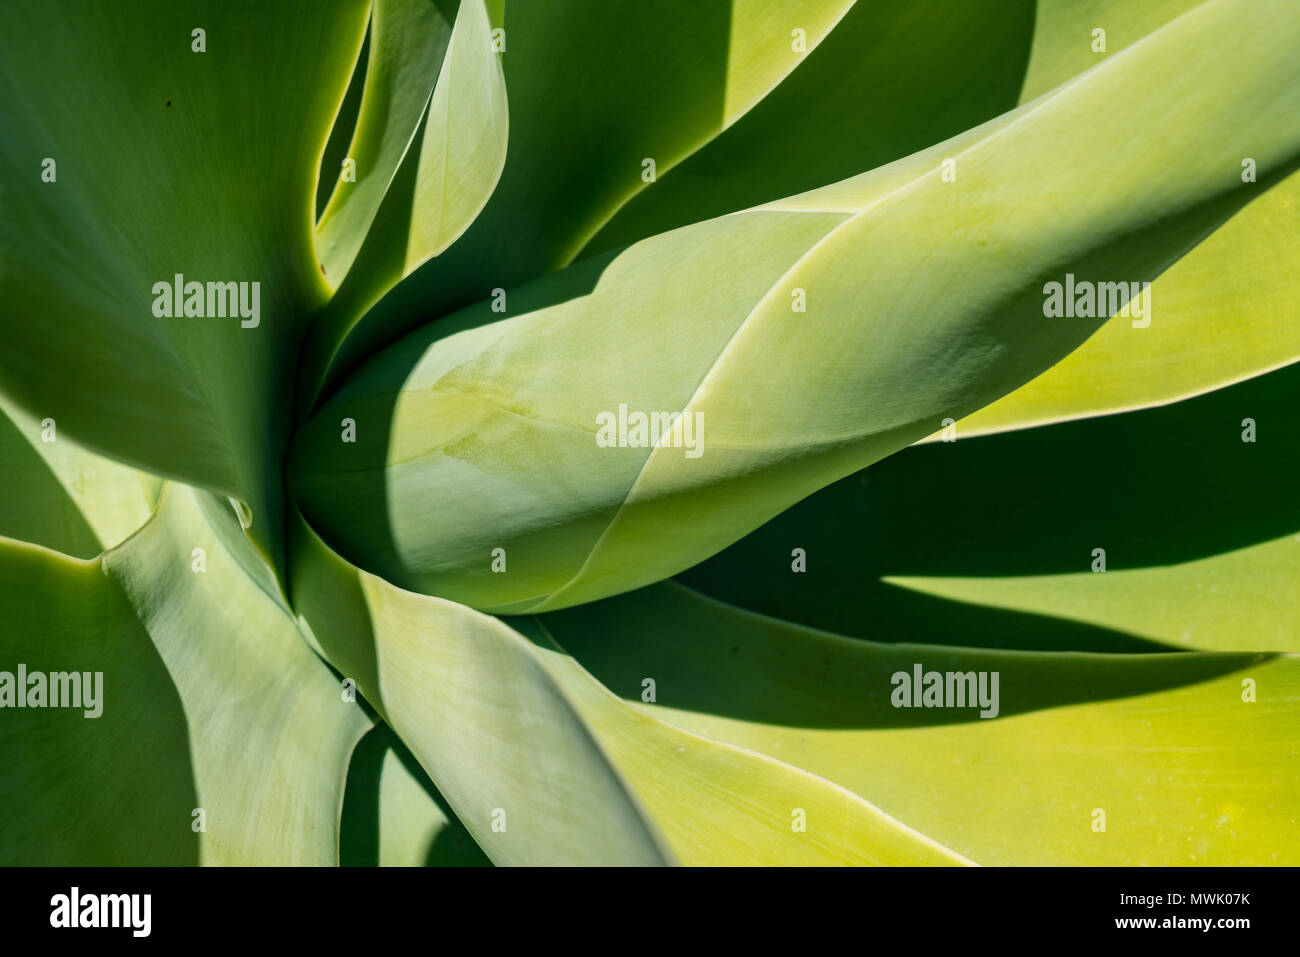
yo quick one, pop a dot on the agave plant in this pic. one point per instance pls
(700, 431)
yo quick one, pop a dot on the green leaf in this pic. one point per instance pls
(163, 169)
(393, 816)
(445, 178)
(979, 542)
(593, 94)
(474, 434)
(1220, 314)
(1240, 601)
(57, 494)
(408, 44)
(867, 95)
(1186, 769)
(1065, 45)
(475, 704)
(875, 65)
(774, 814)
(209, 700)
(507, 726)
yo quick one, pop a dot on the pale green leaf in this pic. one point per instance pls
(867, 95)
(507, 726)
(476, 705)
(1224, 312)
(755, 118)
(393, 816)
(595, 90)
(55, 493)
(445, 179)
(1245, 600)
(474, 434)
(408, 43)
(165, 168)
(726, 806)
(870, 93)
(210, 701)
(1189, 763)
(993, 542)
(1064, 43)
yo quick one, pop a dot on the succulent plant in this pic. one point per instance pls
(709, 432)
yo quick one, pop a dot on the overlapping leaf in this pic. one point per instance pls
(474, 435)
(407, 47)
(1224, 312)
(874, 67)
(221, 738)
(174, 176)
(450, 145)
(475, 705)
(691, 784)
(393, 816)
(475, 474)
(993, 541)
(595, 89)
(59, 495)
(1190, 758)
(544, 766)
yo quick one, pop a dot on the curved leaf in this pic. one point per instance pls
(874, 64)
(442, 185)
(55, 493)
(1222, 313)
(209, 701)
(976, 543)
(775, 814)
(877, 68)
(595, 89)
(1065, 44)
(475, 704)
(1187, 767)
(475, 435)
(408, 43)
(515, 732)
(393, 816)
(866, 96)
(161, 170)
(1239, 601)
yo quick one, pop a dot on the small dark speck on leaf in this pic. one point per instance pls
(169, 102)
(735, 648)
